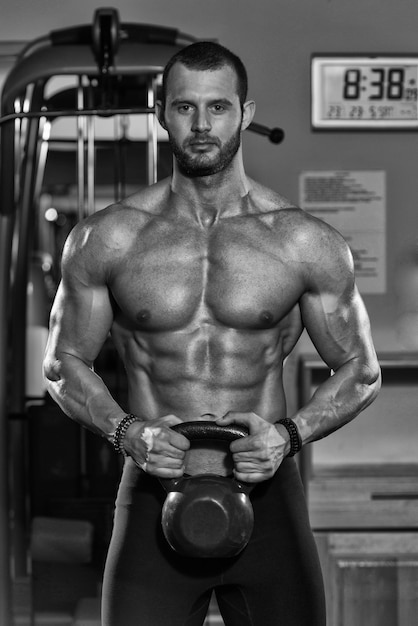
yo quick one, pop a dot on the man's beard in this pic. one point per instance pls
(204, 164)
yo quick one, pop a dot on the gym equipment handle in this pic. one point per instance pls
(210, 430)
(276, 135)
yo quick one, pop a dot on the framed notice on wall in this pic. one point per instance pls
(354, 203)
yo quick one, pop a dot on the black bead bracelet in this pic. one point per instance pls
(295, 438)
(120, 432)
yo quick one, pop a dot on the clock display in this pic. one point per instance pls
(364, 92)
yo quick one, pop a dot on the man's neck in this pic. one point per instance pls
(209, 198)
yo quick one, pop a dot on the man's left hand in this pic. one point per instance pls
(258, 456)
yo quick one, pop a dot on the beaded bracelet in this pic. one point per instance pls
(120, 432)
(295, 438)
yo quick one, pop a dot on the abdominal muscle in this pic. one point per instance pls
(209, 370)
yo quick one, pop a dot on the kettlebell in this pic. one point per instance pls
(207, 515)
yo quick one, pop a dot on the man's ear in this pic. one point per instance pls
(248, 114)
(160, 113)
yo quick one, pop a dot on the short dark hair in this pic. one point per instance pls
(208, 55)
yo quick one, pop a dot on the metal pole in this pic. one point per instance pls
(81, 124)
(90, 166)
(6, 237)
(18, 340)
(152, 132)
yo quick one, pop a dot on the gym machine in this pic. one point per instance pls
(105, 73)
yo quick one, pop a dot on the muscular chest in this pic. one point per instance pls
(227, 276)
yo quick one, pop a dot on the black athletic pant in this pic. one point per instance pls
(275, 581)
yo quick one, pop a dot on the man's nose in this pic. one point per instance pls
(201, 121)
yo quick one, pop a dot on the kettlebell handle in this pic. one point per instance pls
(202, 429)
(210, 430)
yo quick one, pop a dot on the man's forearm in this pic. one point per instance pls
(82, 395)
(338, 400)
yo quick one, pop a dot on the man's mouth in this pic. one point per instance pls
(203, 142)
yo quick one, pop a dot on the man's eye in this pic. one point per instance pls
(218, 108)
(185, 108)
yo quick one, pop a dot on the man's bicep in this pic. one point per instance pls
(338, 324)
(81, 319)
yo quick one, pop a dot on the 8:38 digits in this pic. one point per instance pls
(387, 84)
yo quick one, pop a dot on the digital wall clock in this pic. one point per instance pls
(364, 92)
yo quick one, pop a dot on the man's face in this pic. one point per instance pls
(203, 118)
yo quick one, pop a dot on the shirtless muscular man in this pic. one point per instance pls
(206, 281)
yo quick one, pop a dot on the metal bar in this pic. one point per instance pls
(152, 132)
(119, 129)
(90, 166)
(80, 152)
(25, 232)
(276, 135)
(18, 383)
(6, 237)
(18, 143)
(51, 114)
(7, 173)
(43, 154)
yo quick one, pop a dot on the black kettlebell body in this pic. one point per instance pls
(207, 515)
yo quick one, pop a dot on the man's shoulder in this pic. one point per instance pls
(121, 220)
(278, 209)
(306, 236)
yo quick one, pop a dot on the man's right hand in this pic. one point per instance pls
(156, 448)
